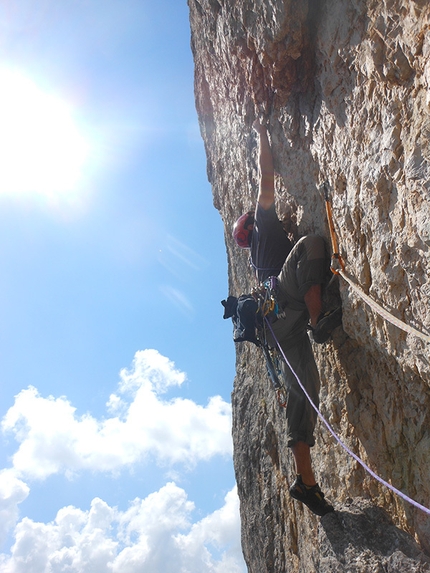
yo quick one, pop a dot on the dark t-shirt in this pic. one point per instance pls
(270, 245)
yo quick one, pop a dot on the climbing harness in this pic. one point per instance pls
(338, 268)
(336, 437)
(248, 314)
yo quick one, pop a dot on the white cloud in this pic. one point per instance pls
(219, 530)
(153, 534)
(53, 438)
(12, 492)
(157, 532)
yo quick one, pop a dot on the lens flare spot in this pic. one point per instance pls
(43, 151)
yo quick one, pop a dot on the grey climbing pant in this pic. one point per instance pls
(306, 265)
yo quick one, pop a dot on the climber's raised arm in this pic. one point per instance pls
(266, 193)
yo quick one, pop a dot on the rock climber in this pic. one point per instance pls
(301, 269)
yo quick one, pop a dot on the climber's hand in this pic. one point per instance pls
(259, 128)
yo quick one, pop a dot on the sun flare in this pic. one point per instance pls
(42, 149)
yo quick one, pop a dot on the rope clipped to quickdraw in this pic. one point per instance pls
(337, 267)
(336, 256)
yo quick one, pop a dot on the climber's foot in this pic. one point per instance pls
(312, 497)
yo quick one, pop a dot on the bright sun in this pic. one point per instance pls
(42, 150)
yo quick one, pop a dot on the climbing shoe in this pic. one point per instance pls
(313, 497)
(325, 325)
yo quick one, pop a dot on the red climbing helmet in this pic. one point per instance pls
(241, 232)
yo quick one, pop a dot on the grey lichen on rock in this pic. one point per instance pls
(345, 86)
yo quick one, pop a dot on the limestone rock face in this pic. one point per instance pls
(345, 85)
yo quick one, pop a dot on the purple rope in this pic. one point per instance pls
(336, 437)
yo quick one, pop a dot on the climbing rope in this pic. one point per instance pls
(338, 268)
(336, 437)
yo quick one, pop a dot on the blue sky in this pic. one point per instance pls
(116, 366)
